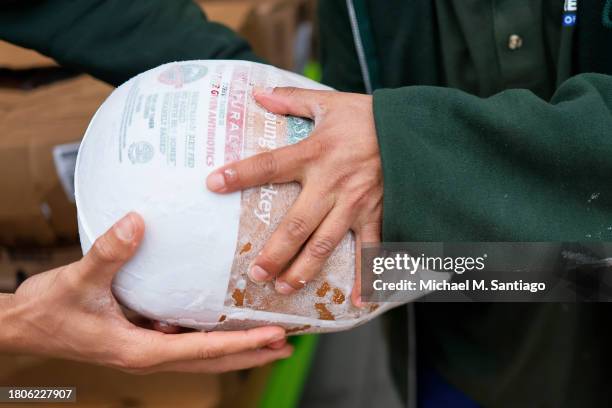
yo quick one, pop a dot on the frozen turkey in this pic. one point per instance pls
(149, 149)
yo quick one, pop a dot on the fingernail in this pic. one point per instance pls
(258, 274)
(278, 336)
(229, 174)
(283, 288)
(268, 90)
(124, 229)
(216, 182)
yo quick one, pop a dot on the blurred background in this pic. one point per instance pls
(44, 111)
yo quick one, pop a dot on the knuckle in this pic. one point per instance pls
(361, 196)
(342, 178)
(321, 248)
(266, 165)
(271, 261)
(70, 275)
(289, 90)
(104, 250)
(208, 352)
(315, 148)
(359, 201)
(321, 108)
(246, 340)
(297, 228)
(249, 340)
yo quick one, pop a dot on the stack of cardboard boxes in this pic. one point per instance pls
(41, 124)
(99, 387)
(270, 26)
(38, 228)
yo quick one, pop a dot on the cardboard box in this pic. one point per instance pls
(14, 57)
(35, 211)
(270, 26)
(35, 206)
(104, 387)
(230, 13)
(16, 265)
(99, 387)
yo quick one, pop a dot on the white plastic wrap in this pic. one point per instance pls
(149, 149)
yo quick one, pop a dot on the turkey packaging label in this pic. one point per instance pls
(149, 149)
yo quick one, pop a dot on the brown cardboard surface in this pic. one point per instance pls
(272, 31)
(268, 25)
(32, 122)
(14, 57)
(8, 99)
(232, 14)
(19, 264)
(34, 209)
(251, 383)
(105, 387)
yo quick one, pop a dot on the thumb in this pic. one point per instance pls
(113, 249)
(305, 103)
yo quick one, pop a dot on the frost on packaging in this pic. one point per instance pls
(149, 149)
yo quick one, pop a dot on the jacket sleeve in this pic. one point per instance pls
(114, 40)
(511, 167)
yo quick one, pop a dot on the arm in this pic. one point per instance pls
(70, 313)
(143, 34)
(511, 167)
(454, 166)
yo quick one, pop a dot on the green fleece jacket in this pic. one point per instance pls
(511, 167)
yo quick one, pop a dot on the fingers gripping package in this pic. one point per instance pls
(149, 149)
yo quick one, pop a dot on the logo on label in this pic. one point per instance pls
(140, 152)
(298, 129)
(177, 74)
